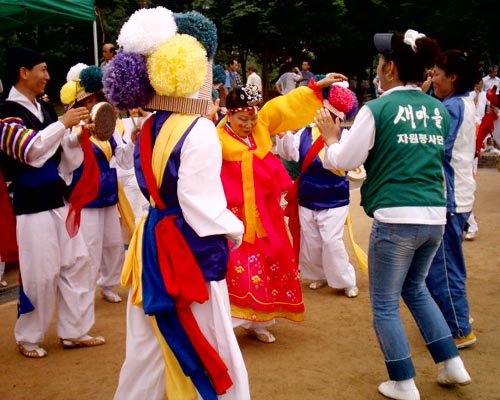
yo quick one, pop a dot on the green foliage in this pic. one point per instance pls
(336, 35)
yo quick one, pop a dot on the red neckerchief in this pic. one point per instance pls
(251, 146)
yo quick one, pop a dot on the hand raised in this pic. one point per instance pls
(73, 116)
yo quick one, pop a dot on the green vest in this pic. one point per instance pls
(405, 166)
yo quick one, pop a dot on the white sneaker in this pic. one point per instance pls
(457, 376)
(470, 236)
(388, 389)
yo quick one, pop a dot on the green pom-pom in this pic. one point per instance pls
(201, 28)
(218, 74)
(91, 79)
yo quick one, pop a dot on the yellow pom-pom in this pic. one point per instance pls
(178, 66)
(69, 91)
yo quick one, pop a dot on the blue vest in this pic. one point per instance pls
(35, 189)
(319, 188)
(211, 252)
(108, 181)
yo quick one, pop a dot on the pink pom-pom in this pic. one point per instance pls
(341, 98)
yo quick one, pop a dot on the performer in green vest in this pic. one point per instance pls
(399, 137)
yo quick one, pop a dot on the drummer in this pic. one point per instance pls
(100, 220)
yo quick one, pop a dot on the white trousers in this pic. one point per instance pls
(101, 231)
(138, 202)
(55, 270)
(322, 251)
(473, 226)
(143, 373)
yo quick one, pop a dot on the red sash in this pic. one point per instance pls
(292, 208)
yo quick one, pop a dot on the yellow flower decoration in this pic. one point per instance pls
(69, 91)
(239, 270)
(178, 67)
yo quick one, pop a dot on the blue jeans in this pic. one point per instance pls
(447, 276)
(399, 259)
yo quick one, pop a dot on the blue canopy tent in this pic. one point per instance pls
(16, 14)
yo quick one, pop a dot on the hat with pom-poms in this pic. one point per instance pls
(338, 99)
(126, 81)
(82, 81)
(202, 29)
(163, 62)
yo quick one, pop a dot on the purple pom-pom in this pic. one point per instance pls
(349, 114)
(126, 81)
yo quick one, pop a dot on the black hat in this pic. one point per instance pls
(18, 57)
(383, 42)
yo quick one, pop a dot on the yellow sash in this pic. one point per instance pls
(253, 224)
(124, 207)
(120, 127)
(178, 385)
(170, 133)
(359, 253)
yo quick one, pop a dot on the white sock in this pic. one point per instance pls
(30, 346)
(405, 385)
(454, 363)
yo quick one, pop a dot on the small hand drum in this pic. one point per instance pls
(104, 118)
(357, 174)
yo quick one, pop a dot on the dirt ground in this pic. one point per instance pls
(333, 354)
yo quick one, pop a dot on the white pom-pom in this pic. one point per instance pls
(344, 84)
(146, 29)
(74, 72)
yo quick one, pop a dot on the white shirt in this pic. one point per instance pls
(48, 140)
(254, 79)
(199, 189)
(489, 82)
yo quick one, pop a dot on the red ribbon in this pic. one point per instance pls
(292, 207)
(87, 187)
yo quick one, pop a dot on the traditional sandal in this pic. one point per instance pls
(111, 297)
(35, 352)
(351, 291)
(76, 343)
(262, 335)
(317, 284)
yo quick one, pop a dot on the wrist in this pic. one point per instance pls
(330, 140)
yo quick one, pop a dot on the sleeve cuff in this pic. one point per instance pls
(316, 89)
